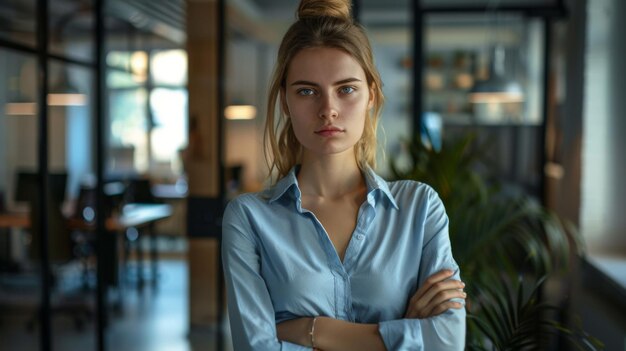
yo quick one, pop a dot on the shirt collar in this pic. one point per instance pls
(375, 184)
(280, 188)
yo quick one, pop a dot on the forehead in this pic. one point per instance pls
(323, 64)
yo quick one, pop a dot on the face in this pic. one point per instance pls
(327, 98)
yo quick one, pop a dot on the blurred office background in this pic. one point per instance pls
(153, 115)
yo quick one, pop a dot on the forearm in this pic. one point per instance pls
(332, 334)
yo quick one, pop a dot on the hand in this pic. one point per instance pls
(434, 297)
(295, 331)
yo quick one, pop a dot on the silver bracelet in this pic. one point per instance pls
(311, 333)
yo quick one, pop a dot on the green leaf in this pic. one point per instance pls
(498, 238)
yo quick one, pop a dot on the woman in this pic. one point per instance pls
(332, 257)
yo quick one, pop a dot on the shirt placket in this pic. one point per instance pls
(341, 271)
(364, 219)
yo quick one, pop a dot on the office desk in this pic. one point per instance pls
(133, 216)
(7, 221)
(139, 216)
(14, 220)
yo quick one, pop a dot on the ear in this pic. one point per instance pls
(283, 102)
(372, 98)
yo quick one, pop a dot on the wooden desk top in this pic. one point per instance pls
(133, 215)
(14, 220)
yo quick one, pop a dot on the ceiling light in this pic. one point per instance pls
(497, 88)
(238, 112)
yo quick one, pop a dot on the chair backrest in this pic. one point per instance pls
(3, 207)
(139, 190)
(59, 241)
(86, 204)
(26, 187)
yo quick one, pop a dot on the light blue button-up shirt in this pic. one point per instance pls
(280, 264)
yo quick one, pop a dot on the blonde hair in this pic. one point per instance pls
(321, 23)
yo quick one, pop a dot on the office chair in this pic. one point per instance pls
(6, 263)
(66, 297)
(2, 201)
(84, 241)
(139, 190)
(24, 285)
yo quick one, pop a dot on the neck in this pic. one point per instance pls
(329, 176)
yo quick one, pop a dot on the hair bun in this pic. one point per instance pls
(325, 8)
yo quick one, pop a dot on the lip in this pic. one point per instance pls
(329, 131)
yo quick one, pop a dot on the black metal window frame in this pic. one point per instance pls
(44, 56)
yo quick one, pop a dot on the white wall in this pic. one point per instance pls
(603, 219)
(80, 139)
(19, 133)
(247, 79)
(70, 128)
(396, 121)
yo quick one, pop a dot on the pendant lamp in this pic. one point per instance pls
(497, 88)
(63, 93)
(18, 105)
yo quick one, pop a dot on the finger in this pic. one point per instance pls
(441, 308)
(423, 298)
(426, 311)
(438, 293)
(421, 303)
(437, 306)
(433, 279)
(441, 299)
(439, 287)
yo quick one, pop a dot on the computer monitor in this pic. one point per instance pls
(27, 186)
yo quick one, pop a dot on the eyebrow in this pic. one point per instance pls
(339, 82)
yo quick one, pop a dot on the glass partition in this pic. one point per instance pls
(147, 127)
(70, 29)
(483, 74)
(72, 242)
(19, 282)
(19, 25)
(391, 39)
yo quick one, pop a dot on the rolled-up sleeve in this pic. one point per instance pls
(445, 332)
(401, 334)
(250, 310)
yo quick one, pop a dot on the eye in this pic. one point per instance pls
(347, 90)
(305, 91)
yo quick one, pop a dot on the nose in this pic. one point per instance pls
(327, 108)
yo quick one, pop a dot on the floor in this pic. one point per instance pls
(151, 320)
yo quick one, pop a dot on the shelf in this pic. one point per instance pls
(446, 92)
(467, 119)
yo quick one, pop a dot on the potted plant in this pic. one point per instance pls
(506, 245)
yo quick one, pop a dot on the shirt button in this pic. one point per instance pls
(360, 237)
